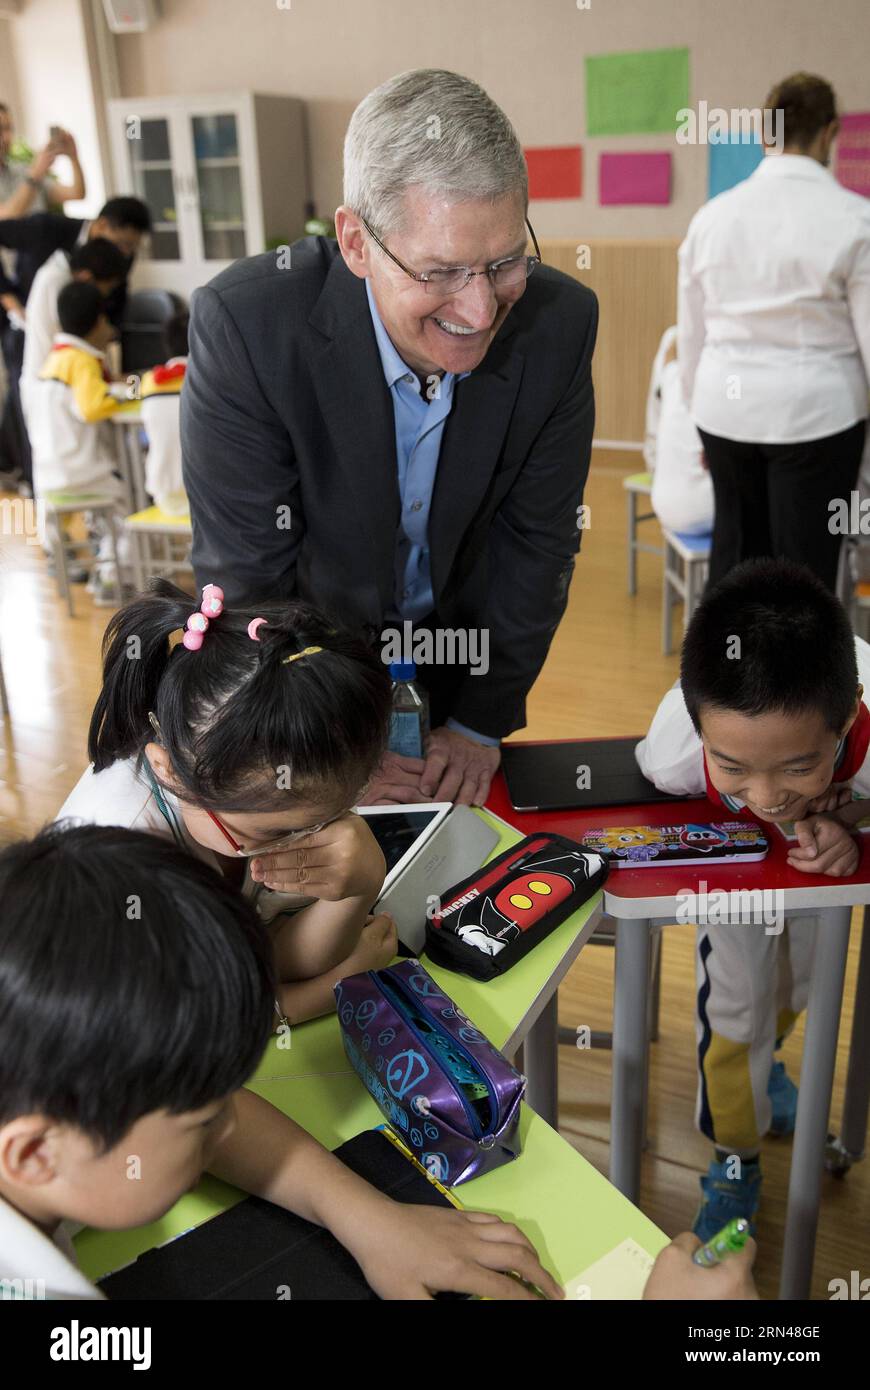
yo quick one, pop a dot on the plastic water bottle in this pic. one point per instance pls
(409, 721)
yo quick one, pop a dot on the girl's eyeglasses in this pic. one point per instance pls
(271, 846)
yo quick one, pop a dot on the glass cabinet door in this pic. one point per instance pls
(219, 186)
(154, 183)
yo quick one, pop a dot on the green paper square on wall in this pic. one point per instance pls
(629, 93)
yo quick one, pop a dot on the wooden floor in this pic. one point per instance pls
(605, 675)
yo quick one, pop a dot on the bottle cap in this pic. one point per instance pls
(402, 670)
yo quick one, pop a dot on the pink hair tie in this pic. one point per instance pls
(197, 624)
(253, 625)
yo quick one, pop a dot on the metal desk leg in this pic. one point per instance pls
(541, 1058)
(853, 1126)
(630, 1053)
(817, 1074)
(632, 542)
(137, 465)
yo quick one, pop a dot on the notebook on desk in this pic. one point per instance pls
(259, 1251)
(572, 776)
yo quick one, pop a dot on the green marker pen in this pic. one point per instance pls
(728, 1241)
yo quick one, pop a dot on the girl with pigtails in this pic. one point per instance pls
(247, 738)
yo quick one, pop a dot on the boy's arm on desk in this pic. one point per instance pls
(404, 1251)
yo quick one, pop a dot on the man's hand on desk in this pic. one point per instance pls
(396, 781)
(825, 846)
(458, 769)
(675, 1275)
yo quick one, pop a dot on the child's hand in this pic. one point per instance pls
(675, 1276)
(377, 945)
(825, 847)
(418, 1251)
(838, 794)
(343, 860)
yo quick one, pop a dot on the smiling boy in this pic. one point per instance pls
(768, 721)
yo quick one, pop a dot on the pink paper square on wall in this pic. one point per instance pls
(634, 178)
(853, 152)
(555, 171)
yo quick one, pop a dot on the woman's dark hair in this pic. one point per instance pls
(794, 647)
(133, 978)
(244, 729)
(807, 104)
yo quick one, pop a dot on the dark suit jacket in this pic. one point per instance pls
(285, 403)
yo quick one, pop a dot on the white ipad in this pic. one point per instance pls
(402, 831)
(428, 849)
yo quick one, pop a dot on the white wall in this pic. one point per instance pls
(528, 54)
(48, 51)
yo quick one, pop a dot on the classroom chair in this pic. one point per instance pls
(637, 485)
(60, 504)
(159, 544)
(687, 564)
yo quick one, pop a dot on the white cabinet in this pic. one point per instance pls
(223, 177)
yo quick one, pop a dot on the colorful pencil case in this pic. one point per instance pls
(659, 846)
(499, 913)
(451, 1096)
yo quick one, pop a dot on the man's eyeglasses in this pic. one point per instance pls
(503, 275)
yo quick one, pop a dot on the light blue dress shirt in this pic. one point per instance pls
(420, 418)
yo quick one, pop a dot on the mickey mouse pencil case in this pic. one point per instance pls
(498, 914)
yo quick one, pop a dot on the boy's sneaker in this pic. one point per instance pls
(723, 1198)
(784, 1096)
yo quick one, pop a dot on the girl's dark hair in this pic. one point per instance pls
(794, 648)
(243, 729)
(807, 104)
(133, 978)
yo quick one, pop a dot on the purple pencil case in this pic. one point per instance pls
(453, 1098)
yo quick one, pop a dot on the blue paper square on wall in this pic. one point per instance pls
(731, 162)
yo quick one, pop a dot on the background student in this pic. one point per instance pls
(161, 407)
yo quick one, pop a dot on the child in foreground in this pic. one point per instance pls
(248, 743)
(768, 721)
(136, 996)
(104, 1054)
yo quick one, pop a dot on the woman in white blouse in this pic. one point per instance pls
(774, 340)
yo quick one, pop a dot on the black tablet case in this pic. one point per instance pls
(543, 776)
(255, 1250)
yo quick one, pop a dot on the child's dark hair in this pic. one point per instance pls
(794, 650)
(126, 212)
(175, 334)
(244, 729)
(133, 978)
(101, 257)
(79, 305)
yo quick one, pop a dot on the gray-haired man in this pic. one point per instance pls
(417, 407)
